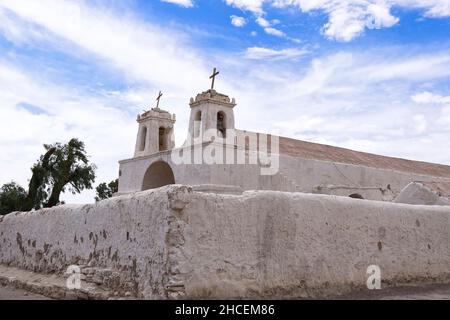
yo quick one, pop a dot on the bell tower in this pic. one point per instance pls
(155, 132)
(210, 110)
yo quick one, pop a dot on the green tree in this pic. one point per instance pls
(105, 191)
(68, 168)
(62, 167)
(12, 198)
(38, 186)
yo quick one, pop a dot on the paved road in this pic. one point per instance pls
(9, 293)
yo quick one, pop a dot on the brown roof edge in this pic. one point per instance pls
(310, 150)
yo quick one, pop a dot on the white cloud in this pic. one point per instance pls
(440, 105)
(347, 22)
(433, 8)
(67, 113)
(275, 21)
(254, 6)
(183, 3)
(258, 53)
(262, 22)
(144, 52)
(275, 32)
(420, 123)
(445, 116)
(348, 19)
(238, 21)
(267, 26)
(430, 98)
(415, 68)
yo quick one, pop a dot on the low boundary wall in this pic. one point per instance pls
(173, 242)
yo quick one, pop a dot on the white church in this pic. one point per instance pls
(297, 166)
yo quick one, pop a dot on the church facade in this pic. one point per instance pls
(217, 157)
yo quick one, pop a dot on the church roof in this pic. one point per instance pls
(309, 150)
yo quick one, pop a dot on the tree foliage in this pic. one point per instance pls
(12, 198)
(38, 186)
(62, 167)
(105, 191)
(68, 168)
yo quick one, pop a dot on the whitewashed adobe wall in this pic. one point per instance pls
(420, 193)
(127, 235)
(175, 243)
(275, 244)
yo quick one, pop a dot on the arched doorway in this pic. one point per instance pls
(157, 175)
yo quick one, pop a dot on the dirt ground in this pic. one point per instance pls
(424, 292)
(411, 292)
(9, 293)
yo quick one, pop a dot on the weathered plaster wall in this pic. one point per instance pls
(121, 242)
(372, 183)
(420, 193)
(274, 244)
(295, 174)
(175, 243)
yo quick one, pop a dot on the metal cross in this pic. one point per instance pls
(213, 77)
(157, 99)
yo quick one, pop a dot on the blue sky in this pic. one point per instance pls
(371, 75)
